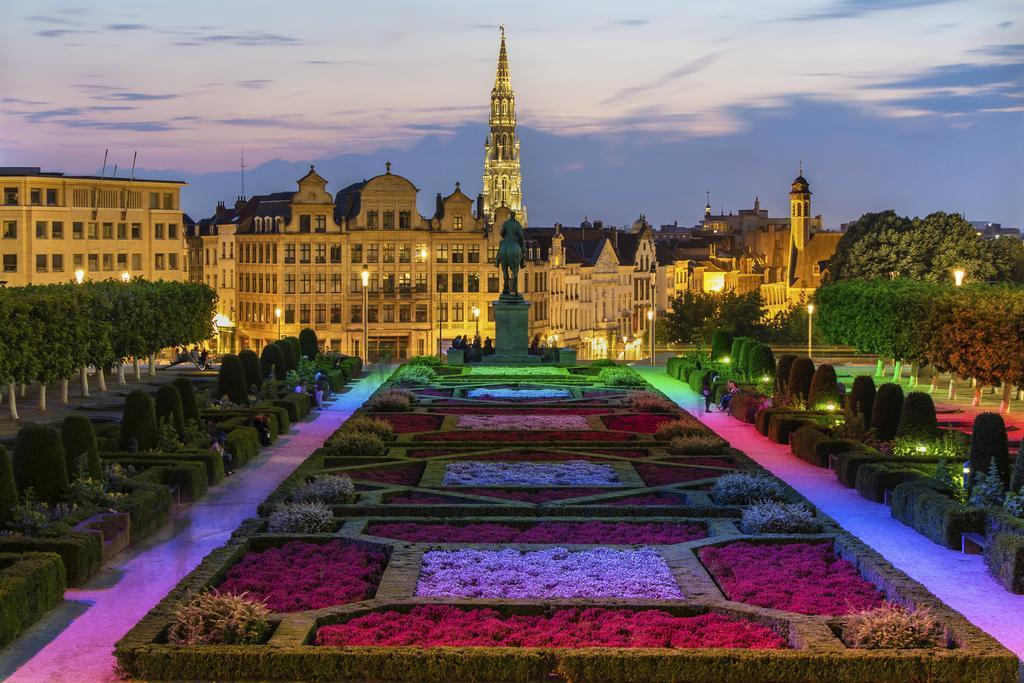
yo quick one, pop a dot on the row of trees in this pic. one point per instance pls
(974, 331)
(53, 332)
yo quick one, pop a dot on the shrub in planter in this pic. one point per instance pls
(801, 372)
(761, 363)
(30, 585)
(308, 343)
(917, 418)
(252, 368)
(647, 402)
(272, 361)
(212, 618)
(687, 427)
(773, 517)
(885, 413)
(310, 517)
(721, 345)
(391, 401)
(740, 488)
(892, 627)
(824, 389)
(81, 452)
(383, 429)
(231, 380)
(988, 444)
(861, 398)
(39, 462)
(187, 393)
(326, 488)
(345, 443)
(138, 422)
(782, 368)
(8, 490)
(168, 407)
(620, 377)
(696, 445)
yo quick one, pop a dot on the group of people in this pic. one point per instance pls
(539, 347)
(473, 350)
(707, 391)
(196, 355)
(315, 389)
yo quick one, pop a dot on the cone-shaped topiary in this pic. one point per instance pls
(168, 406)
(742, 363)
(824, 391)
(8, 491)
(39, 463)
(288, 353)
(81, 452)
(231, 380)
(862, 398)
(138, 422)
(801, 372)
(308, 343)
(1017, 472)
(917, 419)
(761, 363)
(734, 352)
(272, 359)
(988, 445)
(721, 344)
(885, 413)
(782, 369)
(251, 365)
(187, 393)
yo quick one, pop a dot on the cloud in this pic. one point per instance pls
(964, 75)
(1004, 24)
(850, 9)
(250, 39)
(46, 19)
(16, 100)
(136, 126)
(632, 22)
(1006, 50)
(58, 32)
(334, 61)
(571, 167)
(687, 69)
(127, 27)
(254, 84)
(135, 97)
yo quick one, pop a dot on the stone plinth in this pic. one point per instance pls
(511, 333)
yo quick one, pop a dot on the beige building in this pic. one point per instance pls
(53, 226)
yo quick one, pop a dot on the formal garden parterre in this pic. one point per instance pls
(556, 553)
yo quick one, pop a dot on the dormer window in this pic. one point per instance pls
(457, 221)
(304, 223)
(371, 219)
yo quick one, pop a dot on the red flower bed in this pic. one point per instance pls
(611, 533)
(603, 393)
(417, 498)
(300, 576)
(445, 625)
(435, 393)
(797, 577)
(642, 423)
(659, 475)
(405, 475)
(700, 460)
(661, 498)
(479, 410)
(536, 437)
(533, 495)
(405, 423)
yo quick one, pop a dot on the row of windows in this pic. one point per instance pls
(386, 283)
(54, 263)
(82, 230)
(359, 253)
(106, 199)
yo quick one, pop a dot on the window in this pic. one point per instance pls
(421, 283)
(168, 200)
(321, 283)
(158, 231)
(77, 230)
(388, 283)
(41, 262)
(371, 314)
(389, 220)
(473, 282)
(154, 200)
(354, 283)
(442, 282)
(404, 253)
(492, 283)
(321, 253)
(816, 270)
(357, 313)
(10, 230)
(320, 223)
(457, 221)
(457, 312)
(94, 262)
(289, 253)
(321, 314)
(172, 261)
(335, 253)
(442, 313)
(371, 219)
(405, 283)
(303, 314)
(492, 253)
(108, 231)
(10, 199)
(389, 253)
(51, 197)
(405, 313)
(172, 231)
(289, 314)
(421, 313)
(122, 231)
(35, 197)
(304, 251)
(458, 282)
(57, 263)
(11, 260)
(108, 262)
(40, 230)
(57, 230)
(404, 220)
(306, 279)
(93, 231)
(136, 261)
(356, 253)
(78, 261)
(457, 254)
(372, 253)
(442, 253)
(335, 313)
(389, 313)
(122, 262)
(335, 283)
(421, 252)
(474, 254)
(304, 224)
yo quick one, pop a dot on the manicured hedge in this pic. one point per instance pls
(297, 405)
(917, 418)
(849, 463)
(39, 462)
(231, 380)
(81, 554)
(824, 389)
(782, 369)
(861, 398)
(801, 372)
(782, 427)
(148, 504)
(187, 392)
(308, 343)
(1005, 553)
(138, 421)
(745, 405)
(272, 361)
(243, 443)
(923, 505)
(988, 443)
(30, 584)
(212, 462)
(284, 422)
(81, 453)
(168, 406)
(8, 490)
(814, 445)
(885, 412)
(251, 366)
(874, 479)
(189, 477)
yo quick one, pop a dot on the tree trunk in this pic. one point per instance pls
(1020, 393)
(152, 365)
(897, 371)
(1004, 405)
(976, 399)
(952, 387)
(24, 389)
(64, 391)
(120, 373)
(915, 371)
(12, 401)
(880, 367)
(85, 382)
(42, 397)
(138, 370)
(101, 377)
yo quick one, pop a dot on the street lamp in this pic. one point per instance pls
(624, 347)
(277, 314)
(810, 316)
(79, 276)
(126, 277)
(650, 324)
(476, 317)
(366, 305)
(958, 276)
(424, 253)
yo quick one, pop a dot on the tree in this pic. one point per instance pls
(862, 398)
(231, 380)
(138, 423)
(988, 446)
(782, 373)
(721, 342)
(917, 418)
(824, 389)
(81, 452)
(288, 354)
(801, 372)
(761, 363)
(168, 407)
(272, 360)
(694, 316)
(308, 343)
(39, 462)
(251, 365)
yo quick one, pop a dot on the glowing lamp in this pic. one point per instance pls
(650, 314)
(366, 277)
(726, 360)
(921, 448)
(476, 311)
(830, 406)
(277, 312)
(126, 276)
(765, 378)
(958, 276)
(79, 276)
(810, 309)
(967, 469)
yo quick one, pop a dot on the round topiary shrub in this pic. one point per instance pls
(81, 452)
(39, 463)
(885, 413)
(251, 365)
(309, 346)
(168, 407)
(740, 488)
(326, 488)
(734, 350)
(187, 393)
(862, 398)
(272, 361)
(988, 445)
(893, 627)
(773, 517)
(138, 423)
(8, 490)
(383, 429)
(308, 517)
(761, 363)
(742, 362)
(824, 390)
(293, 347)
(231, 380)
(917, 418)
(721, 344)
(798, 384)
(782, 369)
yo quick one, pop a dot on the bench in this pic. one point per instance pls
(972, 543)
(887, 497)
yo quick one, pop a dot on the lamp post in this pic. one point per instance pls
(79, 276)
(650, 324)
(476, 317)
(424, 254)
(624, 347)
(958, 276)
(126, 277)
(277, 314)
(810, 323)
(366, 304)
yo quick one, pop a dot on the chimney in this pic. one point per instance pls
(239, 202)
(220, 209)
(439, 211)
(480, 205)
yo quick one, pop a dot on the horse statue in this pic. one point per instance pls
(510, 256)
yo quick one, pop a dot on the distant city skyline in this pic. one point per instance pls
(913, 105)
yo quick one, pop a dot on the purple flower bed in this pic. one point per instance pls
(402, 475)
(530, 422)
(607, 533)
(659, 475)
(571, 473)
(549, 573)
(510, 394)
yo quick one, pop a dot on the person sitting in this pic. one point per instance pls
(535, 345)
(731, 390)
(220, 445)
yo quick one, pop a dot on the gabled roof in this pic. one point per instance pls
(346, 201)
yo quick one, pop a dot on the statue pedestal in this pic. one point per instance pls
(511, 333)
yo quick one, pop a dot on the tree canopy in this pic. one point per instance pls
(694, 316)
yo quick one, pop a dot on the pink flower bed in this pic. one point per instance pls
(648, 499)
(434, 393)
(300, 576)
(407, 423)
(570, 473)
(404, 475)
(523, 422)
(796, 577)
(479, 410)
(659, 475)
(417, 498)
(641, 423)
(516, 436)
(537, 496)
(446, 625)
(608, 533)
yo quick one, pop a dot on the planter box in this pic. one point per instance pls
(113, 529)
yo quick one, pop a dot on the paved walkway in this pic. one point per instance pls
(961, 581)
(75, 641)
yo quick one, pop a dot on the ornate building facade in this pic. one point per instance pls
(502, 179)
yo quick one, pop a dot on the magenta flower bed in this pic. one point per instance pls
(417, 498)
(481, 410)
(609, 533)
(516, 436)
(445, 625)
(300, 576)
(528, 422)
(407, 423)
(569, 473)
(646, 499)
(537, 496)
(641, 423)
(659, 475)
(403, 475)
(435, 393)
(796, 577)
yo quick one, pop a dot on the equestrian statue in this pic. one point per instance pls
(510, 256)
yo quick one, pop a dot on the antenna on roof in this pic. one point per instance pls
(241, 165)
(103, 173)
(115, 172)
(135, 155)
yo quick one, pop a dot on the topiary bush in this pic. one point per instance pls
(696, 445)
(603, 363)
(917, 418)
(309, 517)
(81, 452)
(138, 422)
(684, 427)
(735, 349)
(292, 351)
(892, 627)
(30, 585)
(431, 361)
(721, 344)
(742, 362)
(231, 380)
(187, 394)
(413, 375)
(39, 463)
(272, 361)
(355, 444)
(801, 372)
(824, 389)
(309, 345)
(782, 369)
(168, 407)
(761, 363)
(988, 445)
(620, 377)
(649, 402)
(8, 489)
(326, 488)
(773, 517)
(740, 488)
(212, 618)
(886, 410)
(382, 429)
(251, 366)
(861, 398)
(391, 401)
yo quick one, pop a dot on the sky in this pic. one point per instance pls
(623, 108)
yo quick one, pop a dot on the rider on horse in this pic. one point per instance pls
(510, 255)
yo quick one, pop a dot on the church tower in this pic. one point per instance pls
(502, 178)
(800, 211)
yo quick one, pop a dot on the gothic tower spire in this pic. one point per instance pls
(502, 177)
